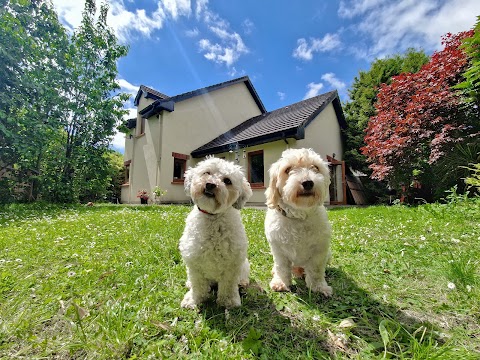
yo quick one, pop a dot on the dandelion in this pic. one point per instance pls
(129, 263)
(469, 288)
(71, 274)
(222, 345)
(423, 238)
(316, 318)
(451, 286)
(455, 241)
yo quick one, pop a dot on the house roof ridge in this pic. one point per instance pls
(209, 87)
(159, 97)
(287, 121)
(153, 91)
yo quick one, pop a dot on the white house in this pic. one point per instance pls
(227, 120)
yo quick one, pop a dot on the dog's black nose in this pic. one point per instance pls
(210, 186)
(307, 185)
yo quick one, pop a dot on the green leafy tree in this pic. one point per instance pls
(59, 102)
(361, 106)
(471, 85)
(93, 107)
(31, 58)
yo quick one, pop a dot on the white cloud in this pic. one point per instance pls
(333, 81)
(201, 8)
(177, 8)
(118, 140)
(128, 24)
(313, 90)
(228, 46)
(392, 26)
(248, 26)
(281, 95)
(356, 7)
(125, 23)
(225, 46)
(192, 33)
(69, 12)
(127, 87)
(305, 49)
(228, 51)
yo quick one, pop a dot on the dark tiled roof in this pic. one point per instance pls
(289, 121)
(161, 97)
(153, 92)
(149, 93)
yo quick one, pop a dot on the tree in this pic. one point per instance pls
(31, 56)
(93, 107)
(59, 101)
(361, 106)
(471, 86)
(420, 120)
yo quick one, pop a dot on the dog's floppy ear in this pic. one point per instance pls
(272, 194)
(187, 181)
(245, 194)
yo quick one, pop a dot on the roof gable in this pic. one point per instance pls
(289, 121)
(148, 93)
(160, 98)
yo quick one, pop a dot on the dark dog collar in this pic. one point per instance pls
(203, 211)
(281, 211)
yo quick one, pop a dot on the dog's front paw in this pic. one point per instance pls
(323, 288)
(230, 302)
(278, 285)
(188, 302)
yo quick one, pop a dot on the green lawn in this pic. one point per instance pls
(105, 282)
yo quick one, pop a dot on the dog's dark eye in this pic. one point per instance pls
(315, 168)
(227, 181)
(207, 173)
(287, 170)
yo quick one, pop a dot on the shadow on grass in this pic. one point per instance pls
(302, 324)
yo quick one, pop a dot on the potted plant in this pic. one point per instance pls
(158, 192)
(143, 195)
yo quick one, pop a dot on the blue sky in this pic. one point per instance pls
(291, 50)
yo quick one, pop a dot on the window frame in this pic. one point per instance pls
(126, 165)
(177, 157)
(142, 126)
(255, 185)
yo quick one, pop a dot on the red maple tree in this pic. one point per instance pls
(419, 117)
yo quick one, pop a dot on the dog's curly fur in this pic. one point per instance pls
(214, 243)
(296, 223)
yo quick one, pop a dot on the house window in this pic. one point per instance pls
(127, 171)
(255, 168)
(142, 126)
(179, 167)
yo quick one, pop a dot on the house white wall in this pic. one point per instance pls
(194, 122)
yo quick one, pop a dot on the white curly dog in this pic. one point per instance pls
(296, 223)
(214, 243)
